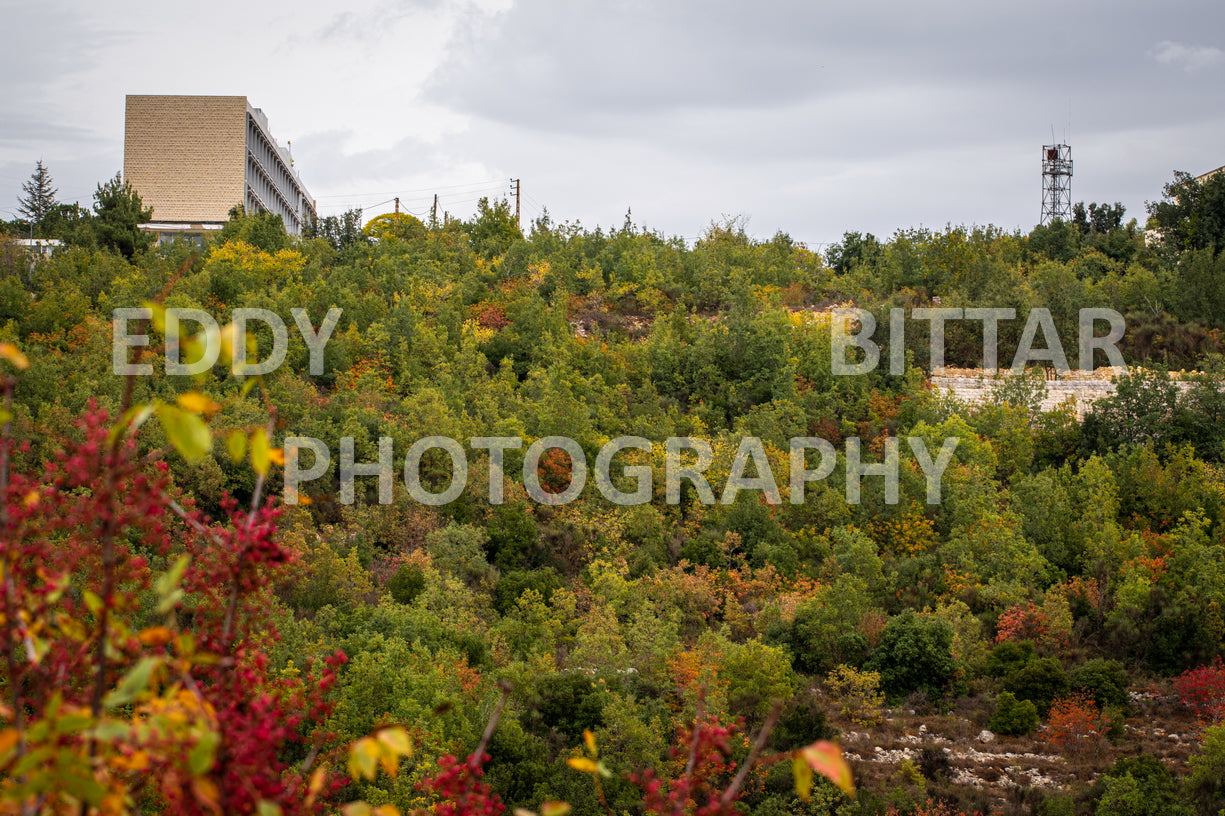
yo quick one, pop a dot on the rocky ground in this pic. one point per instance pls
(912, 747)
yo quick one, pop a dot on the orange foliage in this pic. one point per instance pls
(1076, 724)
(1154, 566)
(1089, 590)
(369, 370)
(555, 470)
(694, 672)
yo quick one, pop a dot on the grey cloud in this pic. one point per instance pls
(552, 64)
(1190, 58)
(44, 42)
(21, 130)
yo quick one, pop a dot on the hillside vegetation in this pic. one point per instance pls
(179, 641)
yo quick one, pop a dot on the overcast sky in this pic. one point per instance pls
(810, 118)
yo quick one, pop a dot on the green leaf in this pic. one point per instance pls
(30, 761)
(72, 723)
(186, 431)
(396, 740)
(201, 757)
(364, 759)
(802, 774)
(170, 579)
(236, 445)
(92, 602)
(132, 418)
(260, 458)
(111, 730)
(157, 316)
(85, 788)
(133, 683)
(167, 585)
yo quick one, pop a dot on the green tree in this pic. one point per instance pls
(1191, 214)
(406, 583)
(118, 212)
(1012, 716)
(459, 549)
(341, 231)
(1140, 786)
(1199, 291)
(1104, 680)
(262, 230)
(1010, 657)
(1040, 681)
(494, 229)
(1140, 411)
(1097, 218)
(915, 653)
(38, 205)
(853, 250)
(1205, 783)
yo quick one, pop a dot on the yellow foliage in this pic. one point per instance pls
(267, 267)
(479, 333)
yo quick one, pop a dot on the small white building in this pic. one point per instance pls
(43, 247)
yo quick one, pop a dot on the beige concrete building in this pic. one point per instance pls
(193, 158)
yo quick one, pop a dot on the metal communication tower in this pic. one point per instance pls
(1056, 183)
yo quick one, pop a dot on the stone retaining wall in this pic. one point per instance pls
(1080, 388)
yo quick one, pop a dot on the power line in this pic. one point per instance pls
(453, 198)
(485, 183)
(421, 202)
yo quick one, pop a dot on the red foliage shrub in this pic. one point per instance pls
(706, 751)
(1024, 621)
(459, 786)
(492, 316)
(1203, 690)
(189, 717)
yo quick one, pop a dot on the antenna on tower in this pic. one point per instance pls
(1056, 181)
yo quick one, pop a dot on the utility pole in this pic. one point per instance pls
(434, 212)
(518, 191)
(397, 205)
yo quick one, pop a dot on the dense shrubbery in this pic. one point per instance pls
(1012, 716)
(1064, 563)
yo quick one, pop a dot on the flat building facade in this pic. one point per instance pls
(193, 158)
